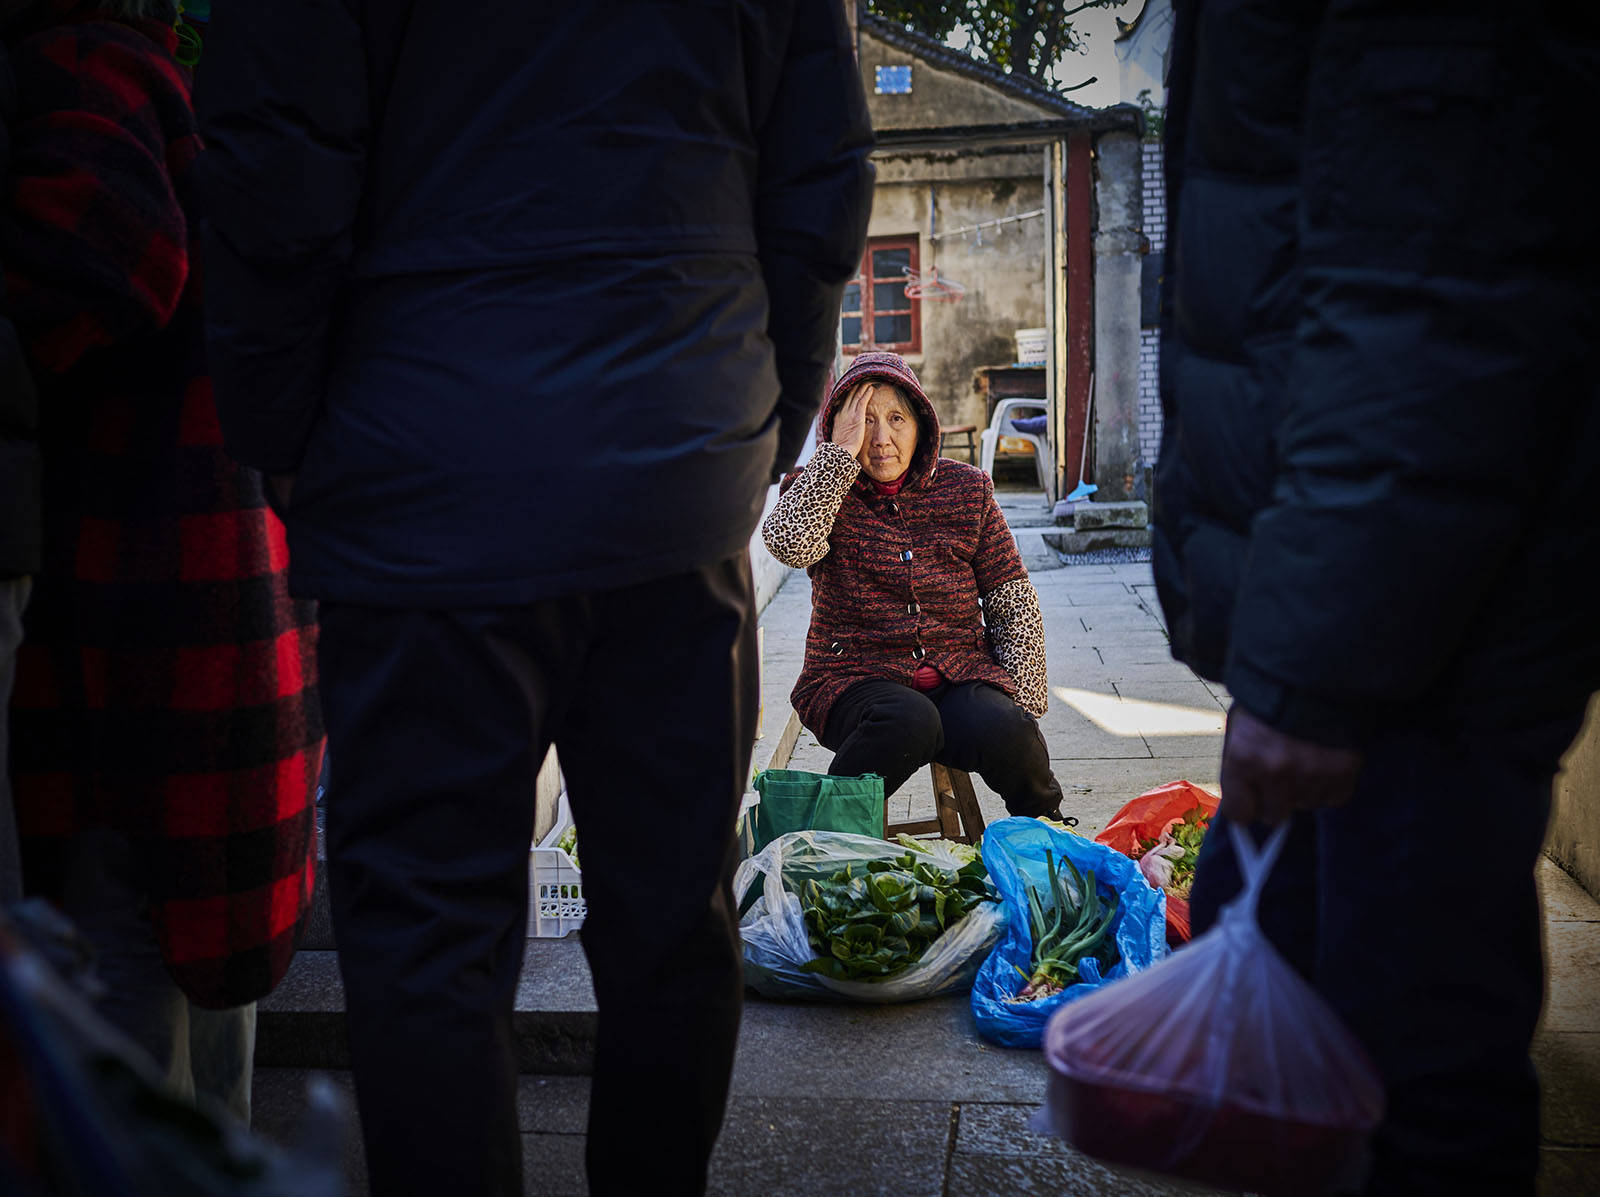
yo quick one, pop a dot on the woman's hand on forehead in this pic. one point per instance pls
(850, 421)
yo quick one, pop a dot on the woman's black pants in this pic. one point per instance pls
(884, 727)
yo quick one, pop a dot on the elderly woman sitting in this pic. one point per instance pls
(926, 641)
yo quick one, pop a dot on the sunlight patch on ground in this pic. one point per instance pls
(1134, 717)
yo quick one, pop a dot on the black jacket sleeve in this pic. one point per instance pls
(813, 198)
(282, 100)
(19, 408)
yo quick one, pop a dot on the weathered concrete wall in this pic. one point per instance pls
(1002, 271)
(1573, 841)
(1118, 250)
(923, 193)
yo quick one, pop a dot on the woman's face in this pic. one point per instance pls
(890, 437)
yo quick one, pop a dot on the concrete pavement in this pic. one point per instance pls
(907, 1099)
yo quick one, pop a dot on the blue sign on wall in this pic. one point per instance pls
(893, 80)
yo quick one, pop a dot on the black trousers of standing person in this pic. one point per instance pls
(438, 722)
(884, 727)
(1414, 913)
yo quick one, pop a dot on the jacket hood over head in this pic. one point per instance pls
(892, 368)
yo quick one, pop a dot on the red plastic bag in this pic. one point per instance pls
(1219, 1064)
(1144, 818)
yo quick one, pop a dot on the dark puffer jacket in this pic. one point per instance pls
(928, 575)
(19, 406)
(478, 267)
(1381, 459)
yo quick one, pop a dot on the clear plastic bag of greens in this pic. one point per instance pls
(834, 915)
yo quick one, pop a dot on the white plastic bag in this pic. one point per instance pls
(1156, 864)
(1220, 1064)
(777, 945)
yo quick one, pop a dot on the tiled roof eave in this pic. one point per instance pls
(941, 55)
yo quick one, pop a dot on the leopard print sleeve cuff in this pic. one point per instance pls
(1016, 634)
(796, 531)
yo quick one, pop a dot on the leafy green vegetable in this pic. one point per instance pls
(1188, 834)
(872, 919)
(567, 841)
(1066, 931)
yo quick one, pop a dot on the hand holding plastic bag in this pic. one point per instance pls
(1220, 1064)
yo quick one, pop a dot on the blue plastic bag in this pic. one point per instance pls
(1013, 850)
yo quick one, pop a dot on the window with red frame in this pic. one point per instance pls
(876, 313)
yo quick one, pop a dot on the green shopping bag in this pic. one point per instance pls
(795, 800)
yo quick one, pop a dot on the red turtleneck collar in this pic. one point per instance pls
(888, 488)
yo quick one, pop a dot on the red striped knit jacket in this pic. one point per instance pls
(167, 685)
(929, 575)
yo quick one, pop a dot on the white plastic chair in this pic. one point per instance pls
(1002, 423)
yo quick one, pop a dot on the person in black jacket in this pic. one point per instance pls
(1376, 491)
(524, 306)
(19, 516)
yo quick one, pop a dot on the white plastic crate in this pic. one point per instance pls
(555, 884)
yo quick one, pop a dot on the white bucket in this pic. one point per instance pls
(1031, 346)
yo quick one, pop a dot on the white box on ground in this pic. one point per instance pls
(555, 884)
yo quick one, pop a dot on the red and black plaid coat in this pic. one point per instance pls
(167, 685)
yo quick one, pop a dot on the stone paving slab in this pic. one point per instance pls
(1564, 900)
(1119, 617)
(552, 1165)
(1572, 967)
(831, 1145)
(1122, 653)
(278, 1106)
(1077, 664)
(912, 1051)
(1193, 694)
(1073, 735)
(1076, 591)
(1568, 1063)
(1568, 1173)
(1180, 747)
(996, 1151)
(1167, 672)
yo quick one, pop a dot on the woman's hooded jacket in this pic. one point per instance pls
(930, 575)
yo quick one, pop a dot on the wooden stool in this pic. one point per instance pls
(965, 431)
(958, 818)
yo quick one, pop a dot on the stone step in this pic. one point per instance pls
(300, 1024)
(1090, 516)
(1103, 538)
(1035, 547)
(809, 1074)
(1025, 509)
